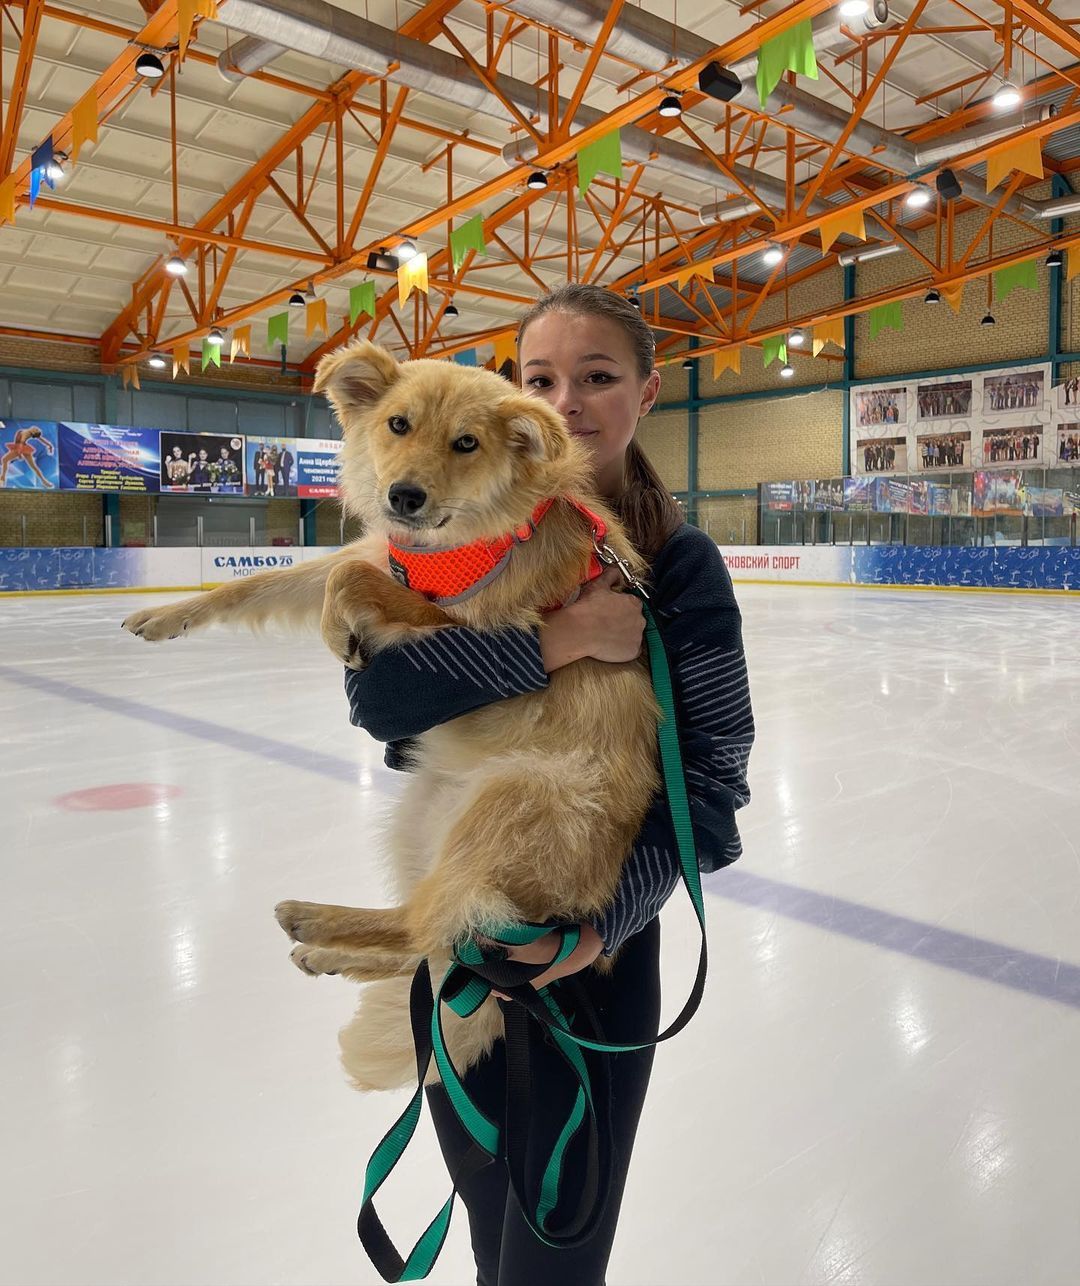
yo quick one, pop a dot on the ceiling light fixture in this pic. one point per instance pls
(1007, 96)
(989, 320)
(451, 311)
(216, 336)
(772, 256)
(797, 338)
(297, 300)
(688, 365)
(786, 371)
(406, 250)
(537, 180)
(55, 171)
(932, 296)
(853, 8)
(918, 197)
(634, 302)
(176, 266)
(150, 66)
(1055, 259)
(670, 106)
(157, 361)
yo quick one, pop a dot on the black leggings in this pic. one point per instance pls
(507, 1252)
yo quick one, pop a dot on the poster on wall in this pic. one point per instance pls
(920, 497)
(778, 496)
(1068, 444)
(1044, 502)
(857, 494)
(804, 495)
(29, 455)
(881, 455)
(881, 406)
(316, 467)
(1017, 445)
(105, 457)
(1014, 391)
(997, 491)
(202, 462)
(944, 451)
(949, 400)
(891, 496)
(829, 495)
(270, 467)
(1067, 395)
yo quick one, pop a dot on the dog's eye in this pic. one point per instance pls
(466, 443)
(398, 424)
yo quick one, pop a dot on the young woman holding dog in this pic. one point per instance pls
(590, 354)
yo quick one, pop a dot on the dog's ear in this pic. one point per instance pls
(534, 428)
(356, 377)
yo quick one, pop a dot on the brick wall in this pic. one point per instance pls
(744, 443)
(51, 518)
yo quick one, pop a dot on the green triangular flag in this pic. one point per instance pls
(604, 156)
(361, 300)
(1024, 274)
(277, 330)
(772, 348)
(211, 354)
(886, 317)
(792, 50)
(470, 236)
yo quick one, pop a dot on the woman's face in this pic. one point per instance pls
(585, 368)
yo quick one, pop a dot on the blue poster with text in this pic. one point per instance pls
(103, 457)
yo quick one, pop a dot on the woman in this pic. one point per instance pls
(590, 355)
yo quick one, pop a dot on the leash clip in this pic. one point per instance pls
(610, 558)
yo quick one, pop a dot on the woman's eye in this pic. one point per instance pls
(538, 381)
(600, 377)
(398, 424)
(466, 443)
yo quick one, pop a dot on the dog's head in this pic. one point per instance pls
(438, 454)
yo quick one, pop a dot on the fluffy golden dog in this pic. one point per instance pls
(522, 810)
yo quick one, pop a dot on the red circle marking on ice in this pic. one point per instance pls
(124, 794)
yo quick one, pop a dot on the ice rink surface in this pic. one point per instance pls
(881, 1086)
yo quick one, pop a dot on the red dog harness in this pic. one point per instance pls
(450, 575)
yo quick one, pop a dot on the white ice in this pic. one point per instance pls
(862, 1098)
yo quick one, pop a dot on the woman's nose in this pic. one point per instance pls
(565, 400)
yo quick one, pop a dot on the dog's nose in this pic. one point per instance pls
(405, 499)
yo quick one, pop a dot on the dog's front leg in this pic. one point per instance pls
(365, 611)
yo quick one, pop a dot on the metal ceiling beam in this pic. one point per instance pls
(20, 82)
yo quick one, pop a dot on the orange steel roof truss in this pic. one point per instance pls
(613, 221)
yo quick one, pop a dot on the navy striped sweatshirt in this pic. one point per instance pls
(456, 670)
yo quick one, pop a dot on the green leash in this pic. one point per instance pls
(467, 984)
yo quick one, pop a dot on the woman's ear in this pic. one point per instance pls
(534, 429)
(355, 378)
(649, 393)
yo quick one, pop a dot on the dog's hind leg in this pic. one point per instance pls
(359, 966)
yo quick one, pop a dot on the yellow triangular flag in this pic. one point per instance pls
(7, 200)
(1072, 256)
(686, 276)
(412, 275)
(186, 12)
(130, 375)
(84, 123)
(316, 317)
(241, 343)
(954, 296)
(830, 332)
(1025, 156)
(181, 360)
(505, 348)
(726, 359)
(849, 221)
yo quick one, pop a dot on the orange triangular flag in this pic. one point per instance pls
(316, 317)
(412, 275)
(130, 375)
(241, 343)
(686, 276)
(7, 200)
(186, 11)
(830, 332)
(84, 123)
(726, 359)
(849, 221)
(1072, 256)
(505, 348)
(954, 296)
(181, 360)
(1025, 156)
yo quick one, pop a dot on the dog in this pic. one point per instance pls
(522, 810)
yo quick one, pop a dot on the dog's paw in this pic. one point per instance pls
(156, 624)
(315, 961)
(302, 921)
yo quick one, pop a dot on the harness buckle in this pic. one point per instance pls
(610, 558)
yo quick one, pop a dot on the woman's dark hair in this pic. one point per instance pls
(646, 507)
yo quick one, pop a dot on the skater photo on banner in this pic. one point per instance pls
(1068, 444)
(1068, 393)
(881, 406)
(944, 451)
(1021, 445)
(829, 495)
(29, 455)
(997, 492)
(202, 462)
(944, 401)
(1017, 391)
(270, 467)
(881, 455)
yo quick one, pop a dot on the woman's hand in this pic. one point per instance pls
(602, 623)
(588, 948)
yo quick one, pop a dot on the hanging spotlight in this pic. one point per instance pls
(537, 180)
(797, 338)
(853, 8)
(718, 82)
(688, 365)
(451, 311)
(932, 296)
(670, 106)
(176, 266)
(381, 262)
(297, 300)
(406, 250)
(634, 302)
(948, 185)
(772, 256)
(1055, 259)
(216, 336)
(55, 171)
(157, 361)
(150, 66)
(989, 320)
(1007, 96)
(918, 197)
(786, 371)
